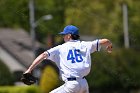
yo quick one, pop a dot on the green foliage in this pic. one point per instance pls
(134, 21)
(53, 26)
(19, 89)
(98, 17)
(104, 19)
(14, 13)
(114, 71)
(6, 78)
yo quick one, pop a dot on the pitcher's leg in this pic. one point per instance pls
(68, 87)
(84, 86)
(59, 89)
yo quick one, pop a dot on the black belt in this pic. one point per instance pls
(73, 78)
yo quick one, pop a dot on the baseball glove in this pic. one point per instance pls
(28, 79)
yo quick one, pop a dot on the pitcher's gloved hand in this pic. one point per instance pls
(28, 79)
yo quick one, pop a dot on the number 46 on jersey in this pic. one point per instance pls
(74, 56)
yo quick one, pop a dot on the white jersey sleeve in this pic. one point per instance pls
(95, 46)
(52, 54)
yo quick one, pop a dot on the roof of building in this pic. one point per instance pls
(17, 42)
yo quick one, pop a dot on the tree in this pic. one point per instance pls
(104, 19)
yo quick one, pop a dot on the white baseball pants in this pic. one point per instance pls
(75, 86)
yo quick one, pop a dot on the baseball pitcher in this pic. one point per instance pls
(73, 59)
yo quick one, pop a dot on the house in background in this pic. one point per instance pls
(16, 49)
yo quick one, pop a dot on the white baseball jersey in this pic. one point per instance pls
(73, 57)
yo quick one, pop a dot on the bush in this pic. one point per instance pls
(19, 89)
(49, 79)
(119, 70)
(6, 78)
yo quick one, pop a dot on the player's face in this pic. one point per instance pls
(67, 37)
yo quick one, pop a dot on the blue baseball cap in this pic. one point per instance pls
(70, 29)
